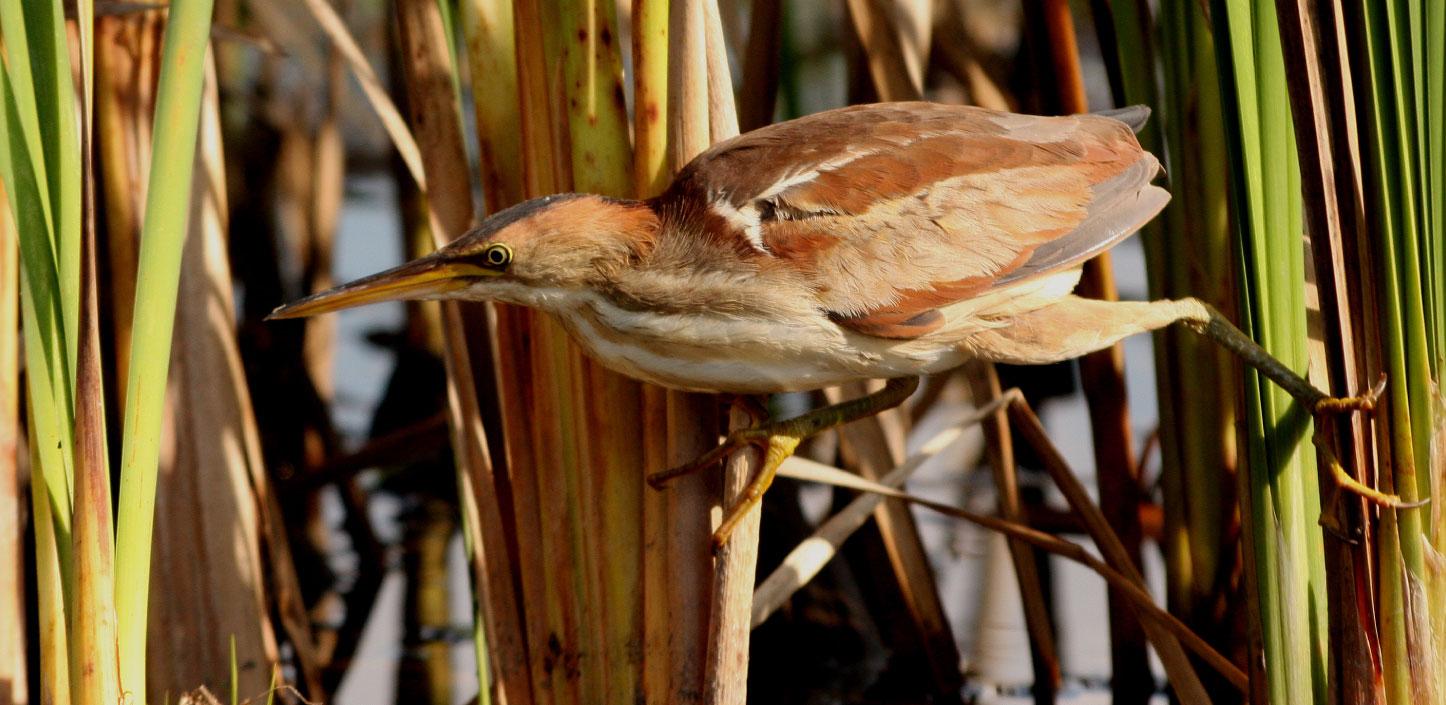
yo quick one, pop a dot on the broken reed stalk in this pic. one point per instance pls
(1102, 377)
(873, 446)
(812, 554)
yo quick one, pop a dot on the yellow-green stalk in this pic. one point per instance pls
(608, 484)
(1280, 496)
(650, 47)
(1387, 45)
(178, 109)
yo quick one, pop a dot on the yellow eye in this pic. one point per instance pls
(498, 255)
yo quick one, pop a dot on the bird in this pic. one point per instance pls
(883, 241)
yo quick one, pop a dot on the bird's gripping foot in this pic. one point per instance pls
(1323, 407)
(778, 440)
(1340, 481)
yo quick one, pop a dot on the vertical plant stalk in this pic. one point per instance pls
(23, 171)
(326, 155)
(178, 103)
(492, 54)
(498, 562)
(126, 48)
(1280, 494)
(650, 49)
(28, 164)
(761, 65)
(424, 673)
(984, 383)
(548, 504)
(210, 564)
(894, 50)
(1190, 256)
(1321, 102)
(608, 483)
(1102, 376)
(13, 651)
(53, 651)
(725, 678)
(1385, 42)
(94, 676)
(432, 100)
(691, 419)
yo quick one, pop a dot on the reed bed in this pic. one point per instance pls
(172, 173)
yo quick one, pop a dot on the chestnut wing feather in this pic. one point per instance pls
(892, 211)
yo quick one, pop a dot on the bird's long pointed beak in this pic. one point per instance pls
(428, 277)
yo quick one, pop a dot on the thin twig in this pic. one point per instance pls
(809, 557)
(372, 87)
(803, 469)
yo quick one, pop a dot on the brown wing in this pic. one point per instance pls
(891, 211)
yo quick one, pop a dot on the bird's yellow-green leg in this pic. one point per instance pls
(1209, 322)
(1321, 405)
(778, 440)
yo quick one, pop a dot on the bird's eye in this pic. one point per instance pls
(498, 255)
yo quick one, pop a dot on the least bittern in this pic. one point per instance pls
(877, 241)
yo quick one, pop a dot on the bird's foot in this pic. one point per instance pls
(1339, 481)
(737, 440)
(1344, 405)
(777, 449)
(778, 440)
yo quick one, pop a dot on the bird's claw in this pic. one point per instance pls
(736, 440)
(1385, 500)
(1342, 481)
(1345, 405)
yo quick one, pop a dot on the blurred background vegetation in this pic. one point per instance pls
(444, 504)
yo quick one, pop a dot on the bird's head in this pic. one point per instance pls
(532, 254)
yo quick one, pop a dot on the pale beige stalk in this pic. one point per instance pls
(13, 594)
(210, 563)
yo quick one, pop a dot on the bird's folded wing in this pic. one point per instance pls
(895, 210)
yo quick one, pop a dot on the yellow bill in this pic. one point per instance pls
(429, 277)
